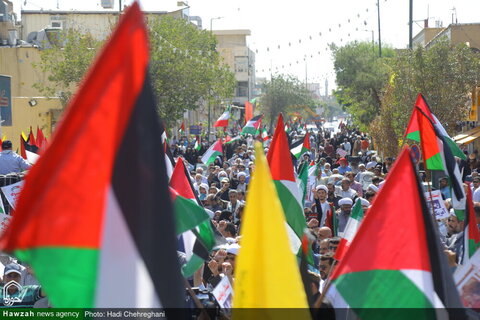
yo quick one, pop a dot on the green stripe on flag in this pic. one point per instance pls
(472, 247)
(435, 162)
(54, 264)
(188, 214)
(192, 265)
(292, 209)
(415, 135)
(382, 289)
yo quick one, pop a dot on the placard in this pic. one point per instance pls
(439, 208)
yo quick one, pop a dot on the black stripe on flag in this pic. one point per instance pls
(442, 277)
(140, 185)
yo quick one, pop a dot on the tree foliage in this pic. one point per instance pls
(443, 73)
(361, 76)
(284, 93)
(65, 63)
(186, 69)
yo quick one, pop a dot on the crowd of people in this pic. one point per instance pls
(348, 168)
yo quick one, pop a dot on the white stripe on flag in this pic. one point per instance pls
(123, 279)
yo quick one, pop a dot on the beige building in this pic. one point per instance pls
(28, 107)
(232, 46)
(98, 23)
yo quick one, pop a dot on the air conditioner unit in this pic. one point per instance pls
(57, 24)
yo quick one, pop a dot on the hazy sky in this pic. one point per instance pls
(285, 33)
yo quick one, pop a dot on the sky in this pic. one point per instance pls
(292, 37)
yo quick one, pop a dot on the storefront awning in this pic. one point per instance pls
(467, 136)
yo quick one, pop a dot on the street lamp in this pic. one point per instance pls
(211, 20)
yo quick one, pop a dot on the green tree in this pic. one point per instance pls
(361, 76)
(443, 73)
(282, 94)
(185, 67)
(65, 63)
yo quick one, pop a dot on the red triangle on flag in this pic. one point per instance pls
(279, 158)
(179, 182)
(378, 239)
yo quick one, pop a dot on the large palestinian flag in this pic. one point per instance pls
(390, 268)
(96, 224)
(281, 167)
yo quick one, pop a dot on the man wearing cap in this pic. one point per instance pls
(338, 221)
(321, 205)
(13, 294)
(10, 161)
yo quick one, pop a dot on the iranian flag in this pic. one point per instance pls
(281, 167)
(387, 268)
(252, 125)
(412, 131)
(200, 240)
(301, 146)
(265, 136)
(96, 224)
(471, 233)
(213, 152)
(351, 228)
(223, 120)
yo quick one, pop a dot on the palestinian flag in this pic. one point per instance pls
(198, 145)
(229, 139)
(299, 147)
(412, 131)
(351, 228)
(199, 241)
(212, 153)
(387, 269)
(223, 120)
(430, 144)
(188, 214)
(433, 141)
(252, 125)
(471, 232)
(96, 223)
(281, 167)
(181, 130)
(28, 151)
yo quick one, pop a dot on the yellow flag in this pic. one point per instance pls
(24, 136)
(266, 270)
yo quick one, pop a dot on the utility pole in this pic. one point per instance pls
(410, 26)
(379, 34)
(119, 6)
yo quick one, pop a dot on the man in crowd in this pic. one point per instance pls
(10, 161)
